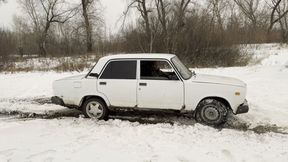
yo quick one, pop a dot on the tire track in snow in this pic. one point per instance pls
(33, 100)
(143, 117)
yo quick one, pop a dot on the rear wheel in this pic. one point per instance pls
(211, 112)
(95, 108)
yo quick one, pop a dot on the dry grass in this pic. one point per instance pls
(71, 66)
(58, 64)
(212, 58)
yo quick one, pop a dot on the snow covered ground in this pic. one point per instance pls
(69, 137)
(77, 139)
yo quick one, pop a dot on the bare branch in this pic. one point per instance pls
(273, 20)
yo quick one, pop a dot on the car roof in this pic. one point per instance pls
(139, 55)
(102, 61)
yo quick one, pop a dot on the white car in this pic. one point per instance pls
(151, 81)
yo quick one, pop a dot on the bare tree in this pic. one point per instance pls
(19, 28)
(43, 14)
(144, 11)
(162, 14)
(283, 22)
(249, 8)
(181, 10)
(276, 13)
(218, 9)
(171, 17)
(7, 45)
(142, 8)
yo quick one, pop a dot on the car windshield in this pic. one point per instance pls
(183, 70)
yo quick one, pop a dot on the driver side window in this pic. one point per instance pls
(156, 70)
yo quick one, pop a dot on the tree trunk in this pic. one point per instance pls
(43, 40)
(145, 15)
(88, 27)
(161, 11)
(42, 48)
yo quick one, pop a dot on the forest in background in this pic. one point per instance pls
(202, 33)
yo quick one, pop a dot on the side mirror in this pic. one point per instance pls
(193, 73)
(94, 75)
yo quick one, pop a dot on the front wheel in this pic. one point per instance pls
(211, 112)
(95, 108)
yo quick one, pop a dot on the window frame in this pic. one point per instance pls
(119, 60)
(157, 59)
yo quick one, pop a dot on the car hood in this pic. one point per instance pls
(75, 77)
(213, 79)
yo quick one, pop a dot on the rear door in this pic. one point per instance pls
(118, 82)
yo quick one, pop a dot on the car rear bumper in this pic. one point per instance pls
(243, 108)
(57, 100)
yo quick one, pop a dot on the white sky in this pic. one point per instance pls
(113, 9)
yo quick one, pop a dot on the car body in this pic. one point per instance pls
(135, 81)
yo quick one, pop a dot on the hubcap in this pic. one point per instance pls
(211, 113)
(94, 109)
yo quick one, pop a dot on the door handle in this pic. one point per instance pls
(143, 84)
(102, 83)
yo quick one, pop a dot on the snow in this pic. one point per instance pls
(115, 140)
(268, 54)
(32, 84)
(73, 138)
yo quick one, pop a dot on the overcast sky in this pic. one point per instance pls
(113, 9)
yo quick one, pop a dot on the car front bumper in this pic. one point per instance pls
(243, 108)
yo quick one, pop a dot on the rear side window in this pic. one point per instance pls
(120, 70)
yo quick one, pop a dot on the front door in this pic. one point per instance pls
(159, 86)
(118, 82)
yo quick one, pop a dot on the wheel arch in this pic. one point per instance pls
(93, 96)
(221, 99)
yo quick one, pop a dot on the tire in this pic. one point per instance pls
(95, 108)
(211, 112)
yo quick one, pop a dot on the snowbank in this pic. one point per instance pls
(268, 54)
(27, 85)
